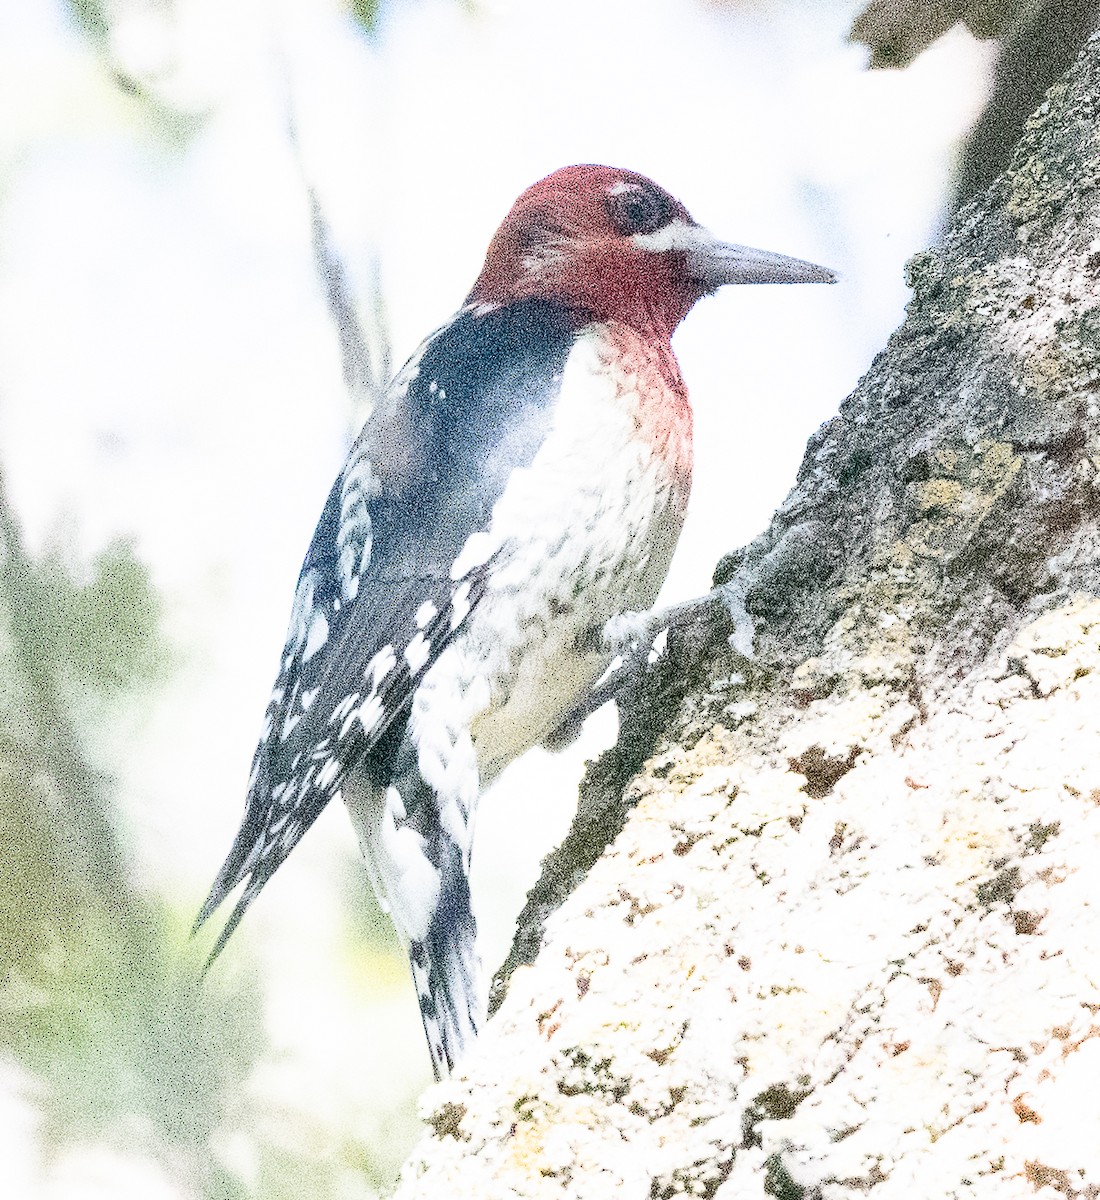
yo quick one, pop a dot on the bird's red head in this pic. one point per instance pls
(613, 243)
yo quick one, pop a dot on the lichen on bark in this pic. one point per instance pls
(845, 938)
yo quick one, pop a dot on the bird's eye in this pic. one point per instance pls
(636, 209)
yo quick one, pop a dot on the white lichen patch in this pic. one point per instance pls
(892, 986)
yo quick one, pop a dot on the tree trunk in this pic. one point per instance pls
(845, 940)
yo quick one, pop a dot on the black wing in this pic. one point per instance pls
(474, 404)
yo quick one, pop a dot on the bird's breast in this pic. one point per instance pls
(583, 533)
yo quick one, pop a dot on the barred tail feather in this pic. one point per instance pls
(447, 972)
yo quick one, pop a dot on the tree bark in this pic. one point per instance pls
(845, 939)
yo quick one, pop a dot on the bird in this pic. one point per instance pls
(514, 496)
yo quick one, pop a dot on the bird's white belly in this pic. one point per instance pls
(548, 652)
(584, 533)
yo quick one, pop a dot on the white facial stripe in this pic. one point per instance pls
(676, 235)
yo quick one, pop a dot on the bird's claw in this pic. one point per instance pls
(632, 636)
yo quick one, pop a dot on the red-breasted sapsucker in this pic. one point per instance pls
(522, 483)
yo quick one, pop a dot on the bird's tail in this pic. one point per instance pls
(447, 972)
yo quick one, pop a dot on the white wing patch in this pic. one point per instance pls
(348, 722)
(344, 707)
(301, 615)
(355, 536)
(443, 707)
(476, 552)
(328, 772)
(370, 713)
(292, 719)
(411, 882)
(381, 665)
(416, 652)
(318, 635)
(460, 604)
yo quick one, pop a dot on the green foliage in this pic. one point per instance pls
(345, 1170)
(101, 1000)
(130, 1048)
(103, 632)
(90, 17)
(366, 13)
(98, 1001)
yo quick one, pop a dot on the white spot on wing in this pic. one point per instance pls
(344, 707)
(425, 613)
(371, 713)
(328, 772)
(308, 697)
(318, 635)
(381, 665)
(355, 534)
(303, 604)
(477, 550)
(416, 652)
(460, 605)
(411, 880)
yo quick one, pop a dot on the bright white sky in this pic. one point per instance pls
(168, 372)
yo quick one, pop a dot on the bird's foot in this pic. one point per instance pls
(634, 638)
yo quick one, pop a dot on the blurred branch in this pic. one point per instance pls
(359, 376)
(897, 31)
(1039, 40)
(96, 1000)
(1035, 51)
(364, 379)
(45, 741)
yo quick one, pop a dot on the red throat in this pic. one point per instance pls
(663, 411)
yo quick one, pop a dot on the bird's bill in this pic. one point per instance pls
(715, 263)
